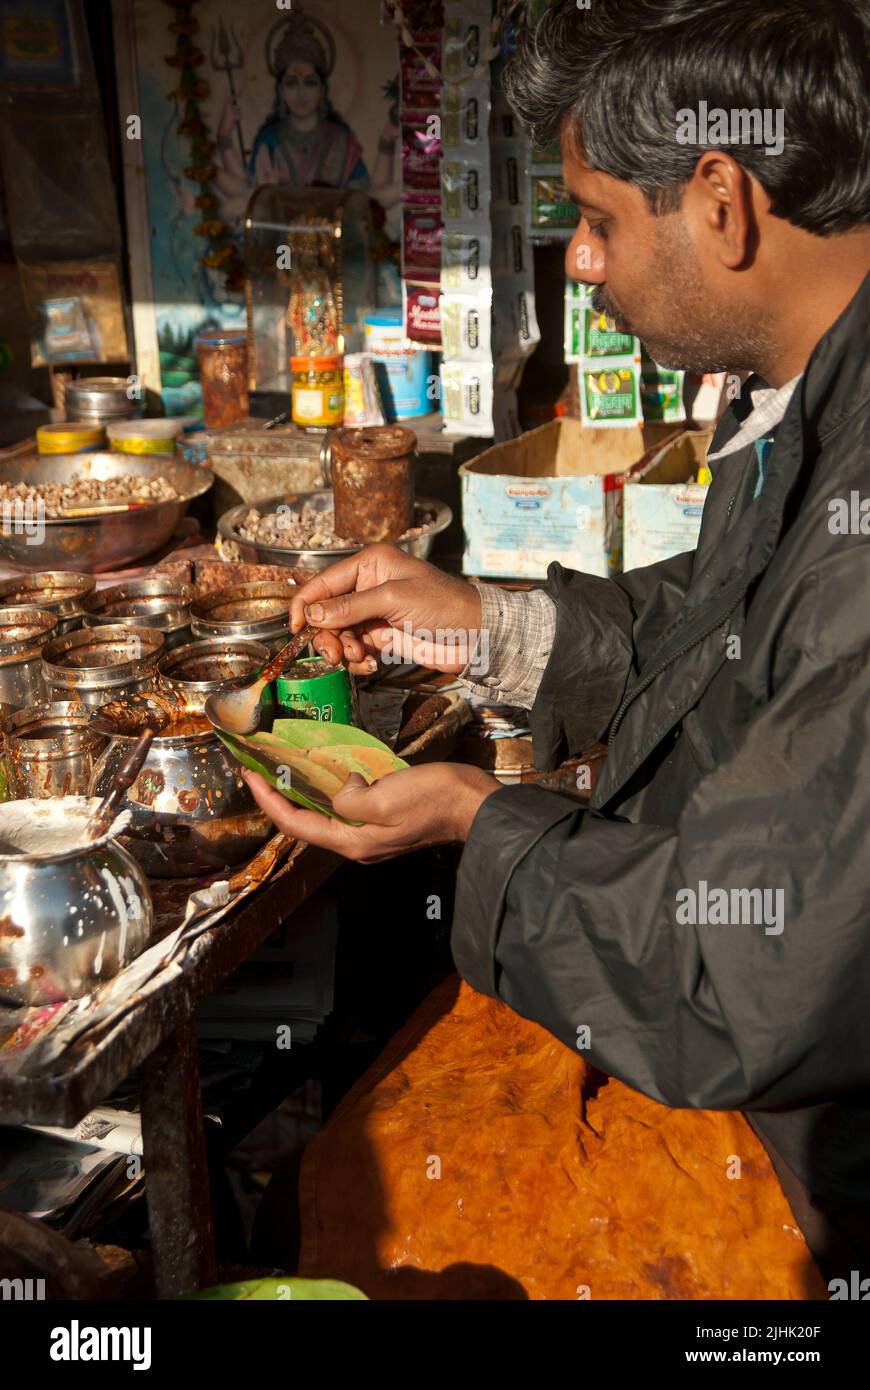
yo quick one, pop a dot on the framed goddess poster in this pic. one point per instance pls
(218, 99)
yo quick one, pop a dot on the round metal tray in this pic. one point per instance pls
(96, 543)
(254, 552)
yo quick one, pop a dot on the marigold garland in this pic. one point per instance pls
(222, 254)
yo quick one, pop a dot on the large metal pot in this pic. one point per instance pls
(192, 813)
(101, 663)
(70, 919)
(24, 633)
(50, 750)
(104, 542)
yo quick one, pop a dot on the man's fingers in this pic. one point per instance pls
(335, 579)
(349, 609)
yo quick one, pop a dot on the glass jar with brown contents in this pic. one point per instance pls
(223, 376)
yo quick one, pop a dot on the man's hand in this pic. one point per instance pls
(429, 805)
(382, 599)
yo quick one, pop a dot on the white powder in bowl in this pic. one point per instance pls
(46, 828)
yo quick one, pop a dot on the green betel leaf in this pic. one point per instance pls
(317, 733)
(289, 1290)
(311, 787)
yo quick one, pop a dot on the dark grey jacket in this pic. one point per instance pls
(747, 771)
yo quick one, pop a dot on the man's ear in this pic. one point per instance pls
(718, 198)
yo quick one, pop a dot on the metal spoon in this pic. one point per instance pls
(238, 711)
(125, 775)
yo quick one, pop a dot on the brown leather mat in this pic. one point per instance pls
(555, 1182)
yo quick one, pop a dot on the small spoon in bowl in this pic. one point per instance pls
(238, 711)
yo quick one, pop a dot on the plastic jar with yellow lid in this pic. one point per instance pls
(318, 391)
(70, 438)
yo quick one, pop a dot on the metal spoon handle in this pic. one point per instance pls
(125, 774)
(288, 653)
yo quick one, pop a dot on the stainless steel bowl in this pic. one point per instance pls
(161, 602)
(256, 553)
(192, 812)
(63, 592)
(102, 663)
(24, 634)
(71, 919)
(98, 543)
(200, 669)
(257, 612)
(50, 750)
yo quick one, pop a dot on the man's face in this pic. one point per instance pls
(656, 276)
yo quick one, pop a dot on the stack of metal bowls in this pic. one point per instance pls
(96, 400)
(101, 663)
(24, 634)
(258, 612)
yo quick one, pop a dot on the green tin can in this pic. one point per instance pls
(314, 689)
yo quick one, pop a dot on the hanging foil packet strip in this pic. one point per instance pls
(466, 190)
(661, 392)
(421, 152)
(610, 393)
(576, 302)
(509, 179)
(422, 306)
(419, 90)
(466, 260)
(465, 38)
(600, 337)
(550, 206)
(464, 116)
(515, 331)
(511, 249)
(466, 322)
(422, 230)
(467, 398)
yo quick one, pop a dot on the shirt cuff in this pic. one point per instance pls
(517, 630)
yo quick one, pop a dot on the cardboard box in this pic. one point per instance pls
(661, 505)
(551, 494)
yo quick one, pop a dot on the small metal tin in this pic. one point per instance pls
(24, 632)
(50, 750)
(314, 689)
(259, 612)
(63, 592)
(101, 663)
(200, 669)
(162, 602)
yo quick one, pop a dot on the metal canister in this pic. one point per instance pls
(62, 592)
(50, 750)
(315, 689)
(24, 632)
(257, 612)
(161, 602)
(373, 482)
(200, 669)
(97, 664)
(95, 399)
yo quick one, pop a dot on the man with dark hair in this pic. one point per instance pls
(706, 919)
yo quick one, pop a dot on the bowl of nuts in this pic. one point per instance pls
(298, 530)
(92, 512)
